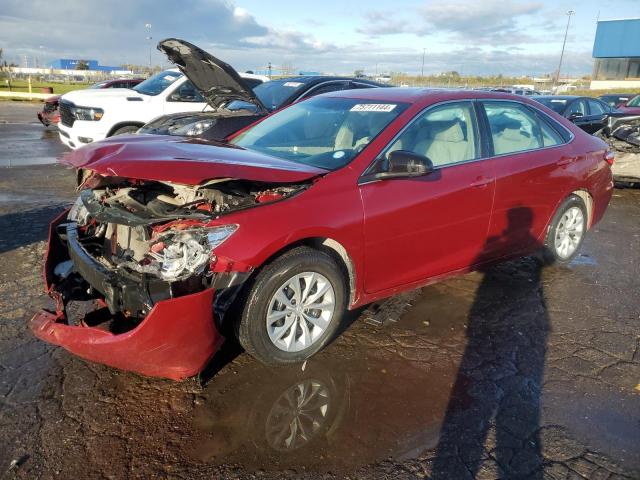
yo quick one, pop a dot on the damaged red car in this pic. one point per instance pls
(324, 206)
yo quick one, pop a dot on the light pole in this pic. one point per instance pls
(557, 79)
(149, 38)
(424, 50)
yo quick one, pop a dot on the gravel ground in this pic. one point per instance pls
(522, 371)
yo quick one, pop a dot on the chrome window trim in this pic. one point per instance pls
(551, 121)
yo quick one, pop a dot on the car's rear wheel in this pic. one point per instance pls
(567, 230)
(127, 129)
(293, 308)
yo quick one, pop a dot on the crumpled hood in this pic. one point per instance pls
(181, 160)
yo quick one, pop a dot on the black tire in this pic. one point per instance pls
(551, 253)
(251, 327)
(127, 129)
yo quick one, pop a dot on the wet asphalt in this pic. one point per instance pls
(522, 371)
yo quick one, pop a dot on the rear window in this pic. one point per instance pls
(556, 104)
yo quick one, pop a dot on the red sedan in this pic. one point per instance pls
(632, 107)
(324, 206)
(50, 115)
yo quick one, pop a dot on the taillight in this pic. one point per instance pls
(609, 156)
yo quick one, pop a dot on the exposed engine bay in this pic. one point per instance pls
(137, 242)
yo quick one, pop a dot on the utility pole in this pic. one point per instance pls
(557, 79)
(424, 50)
(149, 38)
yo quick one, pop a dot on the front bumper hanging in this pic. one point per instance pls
(175, 339)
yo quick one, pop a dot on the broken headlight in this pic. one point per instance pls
(79, 213)
(194, 129)
(184, 253)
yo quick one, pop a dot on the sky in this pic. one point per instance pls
(511, 37)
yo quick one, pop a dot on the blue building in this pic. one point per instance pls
(616, 51)
(72, 64)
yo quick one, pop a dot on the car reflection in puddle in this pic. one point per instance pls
(338, 413)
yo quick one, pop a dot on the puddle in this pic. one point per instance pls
(583, 259)
(338, 414)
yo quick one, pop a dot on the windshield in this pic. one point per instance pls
(98, 85)
(273, 94)
(157, 83)
(323, 132)
(556, 104)
(635, 102)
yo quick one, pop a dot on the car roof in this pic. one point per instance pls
(423, 95)
(312, 79)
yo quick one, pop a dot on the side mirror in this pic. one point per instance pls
(403, 164)
(575, 116)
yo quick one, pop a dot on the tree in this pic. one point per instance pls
(82, 65)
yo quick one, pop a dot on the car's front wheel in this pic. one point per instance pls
(567, 230)
(293, 308)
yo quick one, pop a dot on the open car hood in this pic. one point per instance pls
(216, 80)
(187, 161)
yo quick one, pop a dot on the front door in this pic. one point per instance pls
(421, 227)
(184, 98)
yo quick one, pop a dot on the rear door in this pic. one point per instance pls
(578, 112)
(421, 227)
(530, 162)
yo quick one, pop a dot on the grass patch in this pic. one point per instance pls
(597, 93)
(36, 87)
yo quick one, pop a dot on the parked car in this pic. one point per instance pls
(632, 107)
(326, 205)
(615, 100)
(90, 115)
(623, 135)
(516, 91)
(50, 115)
(246, 106)
(586, 112)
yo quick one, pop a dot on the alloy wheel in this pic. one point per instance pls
(300, 311)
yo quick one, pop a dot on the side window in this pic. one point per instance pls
(596, 108)
(186, 93)
(446, 134)
(579, 107)
(550, 137)
(329, 87)
(514, 128)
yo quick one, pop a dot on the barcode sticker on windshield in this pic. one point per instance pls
(373, 107)
(292, 84)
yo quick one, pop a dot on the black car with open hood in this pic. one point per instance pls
(234, 103)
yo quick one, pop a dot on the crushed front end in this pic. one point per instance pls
(134, 275)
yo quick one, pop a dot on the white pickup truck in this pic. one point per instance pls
(90, 115)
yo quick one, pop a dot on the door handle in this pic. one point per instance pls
(481, 182)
